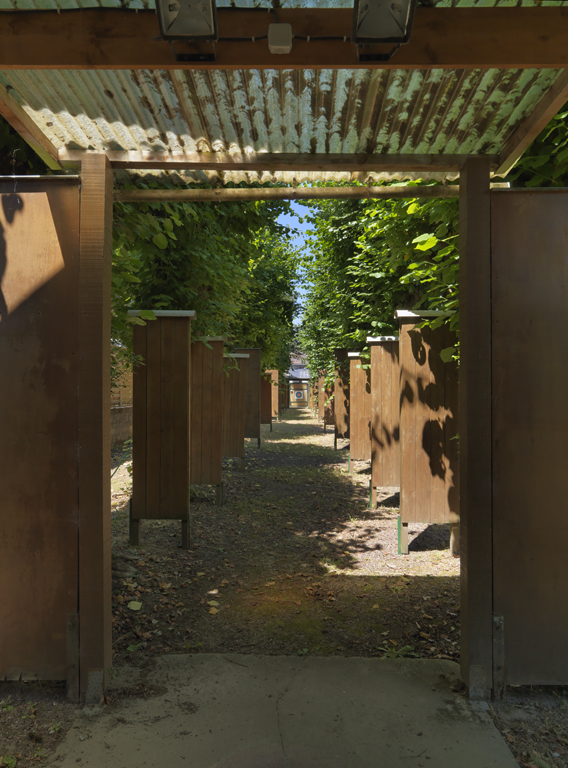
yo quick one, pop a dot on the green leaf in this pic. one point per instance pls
(134, 605)
(135, 647)
(160, 240)
(447, 354)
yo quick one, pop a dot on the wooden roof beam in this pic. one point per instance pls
(265, 161)
(447, 38)
(17, 117)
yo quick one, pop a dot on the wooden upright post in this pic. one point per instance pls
(475, 427)
(95, 617)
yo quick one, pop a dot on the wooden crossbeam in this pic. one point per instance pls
(281, 193)
(20, 121)
(265, 161)
(448, 38)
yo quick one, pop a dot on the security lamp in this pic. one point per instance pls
(382, 21)
(187, 19)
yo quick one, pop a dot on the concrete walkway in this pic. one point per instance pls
(237, 711)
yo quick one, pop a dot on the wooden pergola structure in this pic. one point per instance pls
(95, 90)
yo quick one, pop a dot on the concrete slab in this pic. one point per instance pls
(237, 711)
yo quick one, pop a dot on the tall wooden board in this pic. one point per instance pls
(274, 392)
(385, 413)
(252, 399)
(428, 424)
(321, 397)
(207, 385)
(161, 419)
(341, 391)
(265, 399)
(299, 394)
(39, 375)
(360, 409)
(530, 428)
(234, 405)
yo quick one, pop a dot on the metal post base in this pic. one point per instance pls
(402, 537)
(134, 530)
(219, 495)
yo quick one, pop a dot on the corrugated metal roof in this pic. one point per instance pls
(293, 111)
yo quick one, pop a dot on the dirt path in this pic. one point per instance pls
(293, 563)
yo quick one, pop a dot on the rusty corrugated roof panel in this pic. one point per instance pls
(294, 111)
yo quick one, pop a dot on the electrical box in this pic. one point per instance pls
(280, 38)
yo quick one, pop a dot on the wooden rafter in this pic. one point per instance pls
(448, 38)
(21, 122)
(548, 106)
(259, 161)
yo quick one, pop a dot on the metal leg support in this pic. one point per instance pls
(134, 532)
(219, 495)
(402, 537)
(185, 535)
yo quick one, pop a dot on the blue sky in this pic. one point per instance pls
(292, 220)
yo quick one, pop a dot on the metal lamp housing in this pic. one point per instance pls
(188, 19)
(383, 21)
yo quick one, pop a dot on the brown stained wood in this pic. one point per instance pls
(530, 424)
(298, 394)
(153, 428)
(274, 392)
(39, 349)
(198, 352)
(252, 396)
(18, 118)
(181, 379)
(427, 386)
(475, 428)
(95, 616)
(385, 419)
(341, 392)
(265, 399)
(167, 415)
(234, 403)
(442, 38)
(139, 425)
(359, 411)
(208, 380)
(321, 397)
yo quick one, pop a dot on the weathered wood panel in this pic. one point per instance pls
(252, 400)
(298, 394)
(207, 386)
(274, 392)
(359, 409)
(321, 397)
(234, 405)
(265, 399)
(341, 390)
(530, 428)
(385, 414)
(428, 424)
(161, 475)
(39, 405)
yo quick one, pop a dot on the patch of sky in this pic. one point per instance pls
(298, 227)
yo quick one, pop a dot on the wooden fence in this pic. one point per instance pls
(252, 397)
(161, 422)
(385, 414)
(234, 405)
(341, 395)
(359, 409)
(207, 386)
(428, 427)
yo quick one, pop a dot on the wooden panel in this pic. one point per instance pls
(475, 428)
(385, 417)
(444, 38)
(95, 613)
(139, 425)
(298, 394)
(252, 397)
(359, 411)
(207, 412)
(530, 425)
(341, 390)
(265, 399)
(427, 388)
(274, 392)
(234, 405)
(161, 471)
(321, 397)
(39, 345)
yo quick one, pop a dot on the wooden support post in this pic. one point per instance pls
(133, 530)
(185, 534)
(95, 616)
(475, 428)
(219, 500)
(455, 539)
(402, 537)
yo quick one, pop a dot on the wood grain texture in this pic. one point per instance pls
(39, 405)
(385, 416)
(530, 424)
(182, 421)
(139, 425)
(95, 616)
(359, 410)
(252, 396)
(265, 399)
(234, 406)
(341, 394)
(442, 38)
(207, 378)
(475, 428)
(428, 386)
(274, 392)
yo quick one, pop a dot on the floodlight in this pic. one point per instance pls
(187, 19)
(382, 21)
